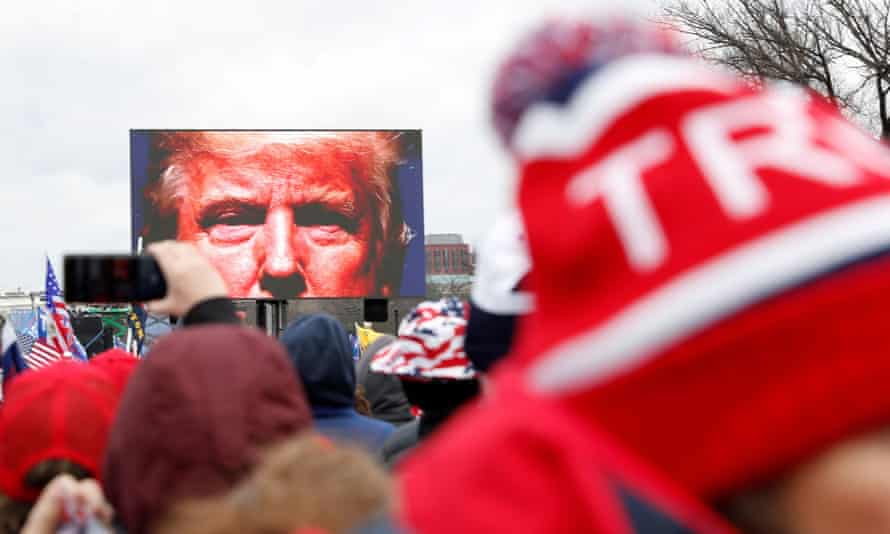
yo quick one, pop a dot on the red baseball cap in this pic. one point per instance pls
(62, 412)
(118, 364)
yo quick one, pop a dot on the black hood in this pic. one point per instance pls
(320, 351)
(438, 399)
(489, 337)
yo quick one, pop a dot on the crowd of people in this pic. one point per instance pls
(680, 330)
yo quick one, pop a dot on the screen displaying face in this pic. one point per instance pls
(287, 214)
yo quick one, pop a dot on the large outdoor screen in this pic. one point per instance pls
(287, 214)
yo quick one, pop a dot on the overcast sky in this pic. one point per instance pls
(76, 76)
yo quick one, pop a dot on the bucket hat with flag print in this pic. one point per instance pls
(430, 344)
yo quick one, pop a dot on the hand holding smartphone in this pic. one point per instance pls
(172, 278)
(68, 506)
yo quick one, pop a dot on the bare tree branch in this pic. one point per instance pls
(840, 48)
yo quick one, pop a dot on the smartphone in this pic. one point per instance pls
(85, 526)
(113, 278)
(77, 519)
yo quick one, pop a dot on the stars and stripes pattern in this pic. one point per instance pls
(62, 339)
(42, 354)
(430, 344)
(26, 341)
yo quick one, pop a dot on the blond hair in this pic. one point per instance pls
(305, 482)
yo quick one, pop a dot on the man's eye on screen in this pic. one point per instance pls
(232, 223)
(324, 219)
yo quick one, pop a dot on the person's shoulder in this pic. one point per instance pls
(380, 427)
(402, 438)
(407, 430)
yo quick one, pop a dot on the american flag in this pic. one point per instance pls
(63, 339)
(26, 341)
(42, 355)
(11, 361)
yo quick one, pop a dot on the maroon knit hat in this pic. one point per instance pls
(195, 416)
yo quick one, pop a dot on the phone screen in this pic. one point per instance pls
(113, 278)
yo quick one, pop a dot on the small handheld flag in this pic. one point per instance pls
(136, 318)
(366, 336)
(62, 338)
(10, 355)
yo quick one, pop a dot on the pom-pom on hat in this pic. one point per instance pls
(553, 60)
(430, 344)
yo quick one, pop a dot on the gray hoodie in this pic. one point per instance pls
(384, 392)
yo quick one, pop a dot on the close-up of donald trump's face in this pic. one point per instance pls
(287, 214)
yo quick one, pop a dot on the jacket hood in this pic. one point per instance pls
(320, 351)
(384, 392)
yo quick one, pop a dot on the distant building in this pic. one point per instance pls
(447, 254)
(449, 266)
(20, 300)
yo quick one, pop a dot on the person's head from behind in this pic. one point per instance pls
(304, 483)
(54, 421)
(384, 392)
(284, 214)
(320, 352)
(429, 358)
(715, 303)
(195, 416)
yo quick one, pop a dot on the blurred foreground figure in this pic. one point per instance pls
(500, 296)
(429, 359)
(304, 483)
(711, 285)
(195, 417)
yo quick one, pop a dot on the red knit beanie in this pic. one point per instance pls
(711, 271)
(515, 463)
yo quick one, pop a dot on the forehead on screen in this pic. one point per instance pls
(364, 158)
(243, 143)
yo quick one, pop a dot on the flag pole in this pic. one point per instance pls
(135, 348)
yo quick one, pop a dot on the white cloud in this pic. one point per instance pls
(78, 75)
(70, 213)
